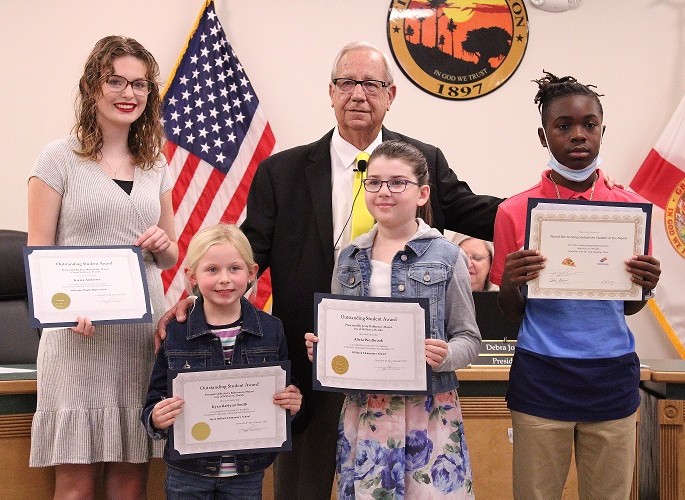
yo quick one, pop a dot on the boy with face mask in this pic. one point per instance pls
(574, 378)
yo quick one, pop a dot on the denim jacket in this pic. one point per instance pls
(429, 267)
(192, 345)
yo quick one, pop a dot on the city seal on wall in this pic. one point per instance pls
(458, 49)
(674, 218)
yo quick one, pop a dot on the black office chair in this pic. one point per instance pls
(18, 341)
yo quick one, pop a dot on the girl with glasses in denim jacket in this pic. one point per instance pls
(407, 446)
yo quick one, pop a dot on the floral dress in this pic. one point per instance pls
(403, 446)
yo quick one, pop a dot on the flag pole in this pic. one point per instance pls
(172, 74)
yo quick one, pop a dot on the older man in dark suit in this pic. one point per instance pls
(297, 213)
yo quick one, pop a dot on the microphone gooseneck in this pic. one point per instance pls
(349, 216)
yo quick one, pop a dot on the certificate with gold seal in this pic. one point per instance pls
(371, 344)
(230, 410)
(586, 245)
(105, 284)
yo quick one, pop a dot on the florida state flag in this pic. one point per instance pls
(661, 179)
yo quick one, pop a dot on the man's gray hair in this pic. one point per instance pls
(363, 46)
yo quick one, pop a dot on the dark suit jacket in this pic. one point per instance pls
(290, 227)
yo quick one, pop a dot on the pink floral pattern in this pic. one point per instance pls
(403, 446)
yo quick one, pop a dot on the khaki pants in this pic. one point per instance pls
(605, 457)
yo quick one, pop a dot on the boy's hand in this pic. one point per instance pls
(645, 271)
(165, 412)
(289, 399)
(309, 340)
(519, 268)
(522, 266)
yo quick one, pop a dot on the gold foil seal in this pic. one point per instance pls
(340, 365)
(60, 300)
(201, 431)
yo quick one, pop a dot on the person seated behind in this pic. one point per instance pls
(479, 253)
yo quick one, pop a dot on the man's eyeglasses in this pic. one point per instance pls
(119, 83)
(370, 87)
(394, 185)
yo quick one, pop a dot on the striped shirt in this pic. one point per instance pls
(227, 334)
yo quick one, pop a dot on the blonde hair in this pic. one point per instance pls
(216, 235)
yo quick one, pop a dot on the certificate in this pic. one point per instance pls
(230, 410)
(371, 344)
(586, 245)
(103, 284)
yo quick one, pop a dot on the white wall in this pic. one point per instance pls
(631, 49)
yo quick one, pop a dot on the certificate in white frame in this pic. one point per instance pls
(229, 410)
(371, 344)
(586, 244)
(106, 284)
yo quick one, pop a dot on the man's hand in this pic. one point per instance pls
(178, 312)
(611, 182)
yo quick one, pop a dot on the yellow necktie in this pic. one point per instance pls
(362, 221)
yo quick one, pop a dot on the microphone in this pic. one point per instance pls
(361, 166)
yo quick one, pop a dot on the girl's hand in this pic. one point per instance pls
(289, 399)
(153, 239)
(165, 412)
(645, 271)
(84, 327)
(436, 352)
(309, 340)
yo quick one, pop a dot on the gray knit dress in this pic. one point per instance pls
(91, 390)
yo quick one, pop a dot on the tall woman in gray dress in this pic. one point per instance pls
(105, 185)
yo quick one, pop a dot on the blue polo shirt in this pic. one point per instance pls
(575, 360)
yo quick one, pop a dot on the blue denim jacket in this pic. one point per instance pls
(429, 267)
(191, 345)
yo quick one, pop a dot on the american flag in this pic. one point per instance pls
(216, 136)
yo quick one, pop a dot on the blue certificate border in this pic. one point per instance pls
(423, 304)
(35, 323)
(287, 444)
(535, 202)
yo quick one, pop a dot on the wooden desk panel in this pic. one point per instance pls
(486, 421)
(668, 377)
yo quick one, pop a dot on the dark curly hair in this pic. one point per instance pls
(146, 134)
(551, 87)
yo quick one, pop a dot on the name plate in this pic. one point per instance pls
(495, 353)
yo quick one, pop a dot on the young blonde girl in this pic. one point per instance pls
(407, 446)
(222, 329)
